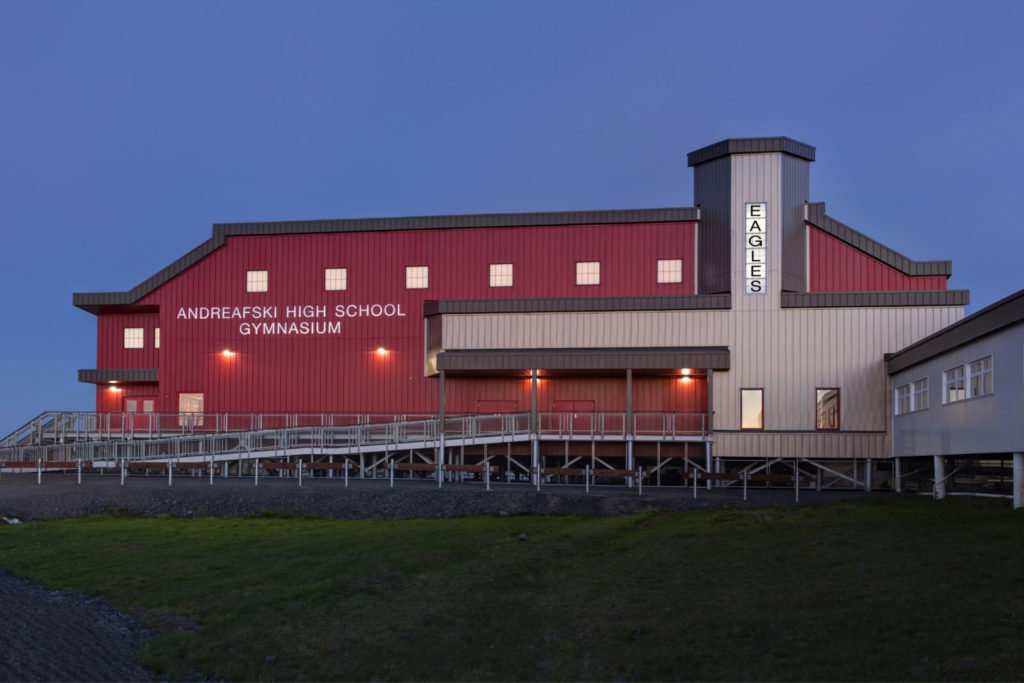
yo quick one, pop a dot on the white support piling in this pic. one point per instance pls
(170, 469)
(640, 482)
(256, 472)
(796, 481)
(79, 471)
(1018, 481)
(487, 475)
(300, 471)
(939, 490)
(39, 471)
(122, 471)
(586, 477)
(212, 467)
(897, 473)
(346, 472)
(694, 474)
(629, 458)
(745, 476)
(440, 460)
(537, 475)
(391, 473)
(867, 475)
(707, 461)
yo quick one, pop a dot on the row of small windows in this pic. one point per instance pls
(418, 277)
(826, 409)
(135, 338)
(959, 383)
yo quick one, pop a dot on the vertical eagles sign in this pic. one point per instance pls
(756, 269)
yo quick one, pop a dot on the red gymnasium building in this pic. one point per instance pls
(754, 320)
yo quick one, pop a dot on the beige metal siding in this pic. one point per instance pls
(788, 352)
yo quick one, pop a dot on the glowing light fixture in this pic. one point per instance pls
(112, 381)
(227, 353)
(116, 390)
(381, 351)
(686, 371)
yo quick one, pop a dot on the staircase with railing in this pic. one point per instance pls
(150, 436)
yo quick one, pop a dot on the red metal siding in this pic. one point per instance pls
(110, 351)
(341, 372)
(110, 399)
(838, 267)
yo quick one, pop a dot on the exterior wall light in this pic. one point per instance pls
(381, 351)
(227, 353)
(116, 390)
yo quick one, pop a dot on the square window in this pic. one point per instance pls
(670, 270)
(416, 277)
(827, 409)
(751, 408)
(131, 405)
(335, 279)
(255, 280)
(501, 275)
(588, 272)
(147, 405)
(134, 338)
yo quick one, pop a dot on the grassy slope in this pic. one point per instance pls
(877, 589)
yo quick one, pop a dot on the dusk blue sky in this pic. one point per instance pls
(127, 129)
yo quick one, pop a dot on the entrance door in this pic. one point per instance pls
(140, 413)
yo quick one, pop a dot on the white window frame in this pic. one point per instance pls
(670, 271)
(588, 273)
(500, 274)
(901, 400)
(335, 279)
(417, 277)
(981, 375)
(911, 397)
(950, 378)
(257, 280)
(134, 338)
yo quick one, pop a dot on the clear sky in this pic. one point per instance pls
(128, 128)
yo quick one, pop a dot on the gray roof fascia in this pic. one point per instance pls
(125, 375)
(714, 357)
(729, 146)
(95, 301)
(580, 304)
(937, 297)
(1003, 313)
(815, 214)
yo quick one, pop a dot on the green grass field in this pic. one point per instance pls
(902, 588)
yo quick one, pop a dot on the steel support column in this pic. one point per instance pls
(1018, 481)
(940, 477)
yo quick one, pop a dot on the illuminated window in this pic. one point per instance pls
(827, 409)
(954, 386)
(156, 338)
(335, 279)
(147, 405)
(255, 280)
(134, 338)
(131, 405)
(190, 410)
(501, 275)
(588, 273)
(751, 408)
(670, 270)
(416, 277)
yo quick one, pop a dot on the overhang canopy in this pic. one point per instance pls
(120, 376)
(474, 361)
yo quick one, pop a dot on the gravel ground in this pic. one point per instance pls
(59, 636)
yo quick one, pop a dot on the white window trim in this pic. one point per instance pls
(498, 277)
(965, 368)
(670, 271)
(912, 402)
(584, 272)
(335, 279)
(257, 280)
(135, 335)
(414, 279)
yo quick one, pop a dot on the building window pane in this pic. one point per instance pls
(131, 405)
(255, 280)
(588, 273)
(156, 338)
(827, 409)
(134, 338)
(190, 410)
(954, 388)
(670, 270)
(416, 277)
(335, 279)
(501, 275)
(981, 377)
(919, 395)
(902, 400)
(751, 408)
(147, 405)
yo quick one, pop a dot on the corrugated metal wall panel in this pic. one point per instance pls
(110, 351)
(839, 267)
(340, 372)
(711, 182)
(789, 352)
(796, 174)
